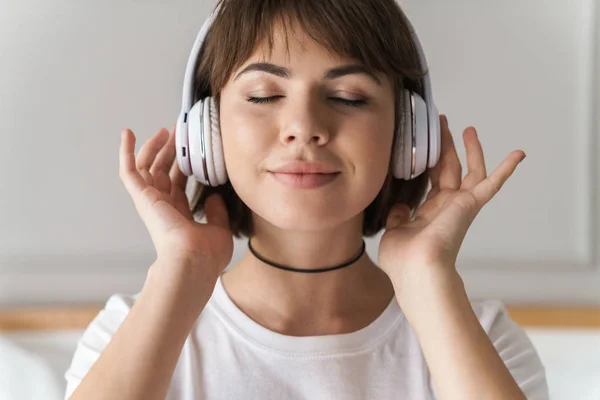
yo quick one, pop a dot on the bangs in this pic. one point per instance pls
(352, 29)
(373, 33)
(329, 31)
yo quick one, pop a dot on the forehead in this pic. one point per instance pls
(291, 43)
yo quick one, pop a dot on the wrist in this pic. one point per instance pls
(180, 287)
(427, 284)
(175, 273)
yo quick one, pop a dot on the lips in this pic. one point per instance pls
(305, 167)
(305, 180)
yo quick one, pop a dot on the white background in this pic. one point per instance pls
(74, 74)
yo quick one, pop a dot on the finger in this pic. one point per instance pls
(216, 211)
(450, 169)
(398, 215)
(488, 188)
(148, 153)
(463, 205)
(434, 176)
(181, 203)
(162, 164)
(475, 160)
(432, 192)
(133, 181)
(178, 178)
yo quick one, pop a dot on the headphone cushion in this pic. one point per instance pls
(435, 137)
(217, 144)
(402, 150)
(194, 135)
(208, 142)
(421, 115)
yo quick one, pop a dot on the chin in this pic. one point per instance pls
(307, 215)
(298, 216)
(305, 210)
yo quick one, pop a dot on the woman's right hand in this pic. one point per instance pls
(157, 187)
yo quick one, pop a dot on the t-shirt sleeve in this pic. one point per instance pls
(516, 350)
(95, 338)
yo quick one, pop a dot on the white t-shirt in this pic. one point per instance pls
(229, 356)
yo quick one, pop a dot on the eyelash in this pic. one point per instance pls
(350, 103)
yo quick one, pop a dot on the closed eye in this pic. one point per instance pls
(351, 103)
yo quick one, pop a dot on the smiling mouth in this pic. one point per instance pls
(305, 180)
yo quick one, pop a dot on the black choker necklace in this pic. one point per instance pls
(308, 271)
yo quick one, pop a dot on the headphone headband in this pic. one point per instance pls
(190, 70)
(188, 92)
(424, 125)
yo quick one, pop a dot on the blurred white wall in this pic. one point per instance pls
(74, 74)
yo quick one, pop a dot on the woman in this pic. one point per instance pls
(306, 314)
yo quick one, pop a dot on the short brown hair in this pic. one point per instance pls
(371, 32)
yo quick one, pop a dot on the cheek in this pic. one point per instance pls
(371, 147)
(244, 144)
(370, 159)
(364, 151)
(372, 168)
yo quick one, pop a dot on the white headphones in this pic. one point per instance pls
(200, 151)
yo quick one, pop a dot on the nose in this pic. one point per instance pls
(304, 123)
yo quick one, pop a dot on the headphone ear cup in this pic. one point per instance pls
(435, 137)
(414, 133)
(181, 146)
(421, 137)
(402, 152)
(195, 134)
(208, 142)
(218, 157)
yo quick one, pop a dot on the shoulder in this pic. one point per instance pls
(118, 304)
(514, 347)
(110, 318)
(489, 311)
(96, 337)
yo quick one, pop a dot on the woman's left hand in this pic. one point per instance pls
(433, 238)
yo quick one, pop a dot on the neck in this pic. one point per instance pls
(307, 250)
(337, 301)
(308, 304)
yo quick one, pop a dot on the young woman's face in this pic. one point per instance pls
(307, 119)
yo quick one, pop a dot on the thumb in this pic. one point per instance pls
(398, 215)
(216, 211)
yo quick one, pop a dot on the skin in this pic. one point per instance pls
(307, 228)
(321, 227)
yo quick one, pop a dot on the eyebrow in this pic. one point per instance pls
(329, 75)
